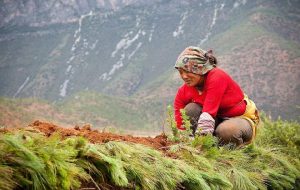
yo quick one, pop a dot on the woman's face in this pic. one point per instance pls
(191, 79)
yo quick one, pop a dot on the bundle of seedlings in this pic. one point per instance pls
(31, 160)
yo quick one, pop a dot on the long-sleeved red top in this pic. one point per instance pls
(221, 96)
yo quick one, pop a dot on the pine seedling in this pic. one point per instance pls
(60, 162)
(28, 166)
(185, 135)
(240, 180)
(42, 163)
(7, 181)
(280, 133)
(185, 120)
(107, 166)
(32, 161)
(172, 124)
(279, 181)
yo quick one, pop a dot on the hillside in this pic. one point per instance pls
(127, 115)
(130, 50)
(46, 156)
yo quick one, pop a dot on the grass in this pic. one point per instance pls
(99, 110)
(118, 111)
(29, 160)
(121, 112)
(236, 36)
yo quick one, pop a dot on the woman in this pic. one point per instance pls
(213, 101)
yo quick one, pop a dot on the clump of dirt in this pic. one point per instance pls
(159, 142)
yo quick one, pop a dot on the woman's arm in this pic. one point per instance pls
(215, 87)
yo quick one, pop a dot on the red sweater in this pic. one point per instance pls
(221, 96)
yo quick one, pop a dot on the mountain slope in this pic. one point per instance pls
(128, 115)
(131, 51)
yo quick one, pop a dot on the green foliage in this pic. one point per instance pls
(272, 161)
(185, 120)
(172, 124)
(283, 134)
(240, 180)
(29, 160)
(39, 163)
(7, 181)
(179, 135)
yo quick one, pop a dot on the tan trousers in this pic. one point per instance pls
(236, 130)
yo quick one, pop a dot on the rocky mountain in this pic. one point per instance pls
(38, 13)
(55, 49)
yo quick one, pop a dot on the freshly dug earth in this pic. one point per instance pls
(159, 142)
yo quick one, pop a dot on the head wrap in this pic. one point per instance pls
(195, 60)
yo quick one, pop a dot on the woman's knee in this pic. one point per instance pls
(193, 111)
(236, 130)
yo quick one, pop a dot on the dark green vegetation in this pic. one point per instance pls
(29, 160)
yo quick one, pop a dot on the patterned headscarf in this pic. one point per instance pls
(195, 60)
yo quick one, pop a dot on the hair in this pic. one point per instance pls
(212, 59)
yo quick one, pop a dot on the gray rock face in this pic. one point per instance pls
(38, 13)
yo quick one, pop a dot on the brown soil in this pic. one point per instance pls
(159, 142)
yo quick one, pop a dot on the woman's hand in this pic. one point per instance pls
(206, 124)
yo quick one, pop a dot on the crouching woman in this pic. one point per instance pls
(214, 102)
